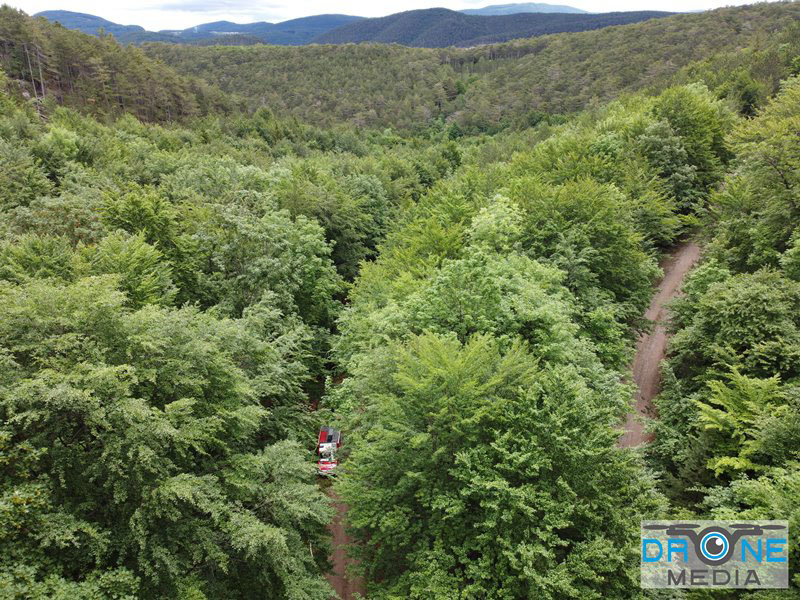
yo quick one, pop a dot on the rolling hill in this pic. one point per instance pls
(440, 27)
(492, 86)
(97, 75)
(287, 33)
(526, 7)
(91, 24)
(429, 28)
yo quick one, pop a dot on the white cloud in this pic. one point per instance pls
(180, 14)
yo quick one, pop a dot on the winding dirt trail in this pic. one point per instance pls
(651, 348)
(346, 586)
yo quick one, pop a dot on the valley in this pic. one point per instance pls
(546, 289)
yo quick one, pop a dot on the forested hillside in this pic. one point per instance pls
(187, 296)
(439, 27)
(491, 87)
(49, 63)
(94, 25)
(485, 348)
(429, 28)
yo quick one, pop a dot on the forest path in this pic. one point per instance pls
(651, 348)
(344, 584)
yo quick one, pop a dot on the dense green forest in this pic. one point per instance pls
(48, 62)
(487, 88)
(429, 28)
(727, 440)
(440, 27)
(189, 289)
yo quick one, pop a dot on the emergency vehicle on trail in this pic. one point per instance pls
(330, 440)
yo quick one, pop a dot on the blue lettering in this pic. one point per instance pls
(758, 555)
(772, 549)
(678, 546)
(646, 558)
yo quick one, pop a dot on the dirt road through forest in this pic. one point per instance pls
(344, 585)
(650, 350)
(652, 347)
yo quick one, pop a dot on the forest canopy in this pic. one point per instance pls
(494, 86)
(192, 285)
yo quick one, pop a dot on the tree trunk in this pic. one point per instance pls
(41, 77)
(30, 70)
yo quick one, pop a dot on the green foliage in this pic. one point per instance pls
(481, 474)
(790, 261)
(679, 453)
(733, 412)
(97, 75)
(497, 228)
(756, 212)
(380, 85)
(55, 150)
(749, 321)
(727, 438)
(747, 93)
(138, 439)
(144, 276)
(173, 297)
(666, 152)
(700, 122)
(614, 150)
(148, 451)
(694, 287)
(501, 306)
(144, 212)
(351, 217)
(586, 229)
(253, 258)
(73, 215)
(21, 179)
(35, 256)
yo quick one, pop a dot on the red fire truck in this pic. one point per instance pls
(330, 440)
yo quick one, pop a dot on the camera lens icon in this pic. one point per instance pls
(714, 546)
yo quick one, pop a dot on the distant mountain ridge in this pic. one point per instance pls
(430, 28)
(287, 33)
(440, 27)
(91, 24)
(526, 7)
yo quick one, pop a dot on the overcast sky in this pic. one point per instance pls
(180, 14)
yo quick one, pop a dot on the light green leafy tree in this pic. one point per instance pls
(700, 121)
(145, 276)
(733, 412)
(21, 179)
(479, 473)
(756, 212)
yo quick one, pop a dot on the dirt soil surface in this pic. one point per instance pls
(651, 348)
(345, 585)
